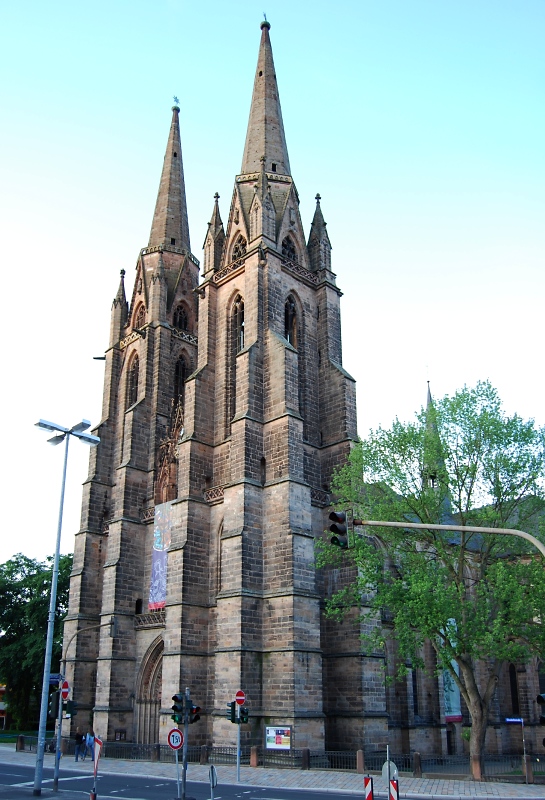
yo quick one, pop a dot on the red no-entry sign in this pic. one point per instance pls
(65, 691)
(240, 697)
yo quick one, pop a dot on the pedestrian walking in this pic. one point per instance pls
(80, 750)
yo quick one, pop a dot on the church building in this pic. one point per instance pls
(226, 409)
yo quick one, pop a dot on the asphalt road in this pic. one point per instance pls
(18, 781)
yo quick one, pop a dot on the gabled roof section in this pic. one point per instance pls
(170, 226)
(265, 135)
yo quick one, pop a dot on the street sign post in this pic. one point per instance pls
(240, 699)
(213, 776)
(175, 741)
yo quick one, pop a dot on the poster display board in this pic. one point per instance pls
(278, 738)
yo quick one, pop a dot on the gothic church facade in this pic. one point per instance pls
(226, 408)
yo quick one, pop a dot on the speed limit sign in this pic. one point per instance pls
(175, 739)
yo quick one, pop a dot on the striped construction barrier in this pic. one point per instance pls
(368, 787)
(394, 790)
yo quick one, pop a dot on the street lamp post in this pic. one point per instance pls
(62, 434)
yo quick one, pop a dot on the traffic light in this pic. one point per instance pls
(541, 701)
(194, 714)
(338, 528)
(178, 707)
(244, 713)
(53, 707)
(232, 712)
(71, 708)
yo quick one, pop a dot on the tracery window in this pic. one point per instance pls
(132, 381)
(140, 318)
(180, 319)
(239, 249)
(290, 321)
(288, 250)
(180, 374)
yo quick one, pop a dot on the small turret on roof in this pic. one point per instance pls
(215, 237)
(319, 246)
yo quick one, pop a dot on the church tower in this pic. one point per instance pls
(226, 408)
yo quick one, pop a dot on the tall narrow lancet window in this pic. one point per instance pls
(180, 375)
(239, 249)
(236, 345)
(140, 318)
(290, 321)
(289, 253)
(513, 685)
(181, 319)
(238, 324)
(132, 381)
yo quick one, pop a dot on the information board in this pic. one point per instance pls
(277, 738)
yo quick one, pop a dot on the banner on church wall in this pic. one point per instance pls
(451, 692)
(161, 542)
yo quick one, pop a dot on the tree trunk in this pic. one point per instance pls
(476, 742)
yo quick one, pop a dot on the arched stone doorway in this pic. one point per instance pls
(148, 701)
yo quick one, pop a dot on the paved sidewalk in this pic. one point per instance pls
(312, 780)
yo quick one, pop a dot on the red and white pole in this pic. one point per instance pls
(394, 790)
(368, 787)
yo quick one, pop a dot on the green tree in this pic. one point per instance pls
(479, 599)
(25, 587)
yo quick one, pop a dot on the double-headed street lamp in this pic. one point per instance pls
(62, 435)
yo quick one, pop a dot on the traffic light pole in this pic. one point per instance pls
(186, 734)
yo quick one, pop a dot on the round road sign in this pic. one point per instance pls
(240, 697)
(65, 691)
(175, 738)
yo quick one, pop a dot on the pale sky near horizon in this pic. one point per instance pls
(420, 122)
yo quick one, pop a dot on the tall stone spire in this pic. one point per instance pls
(170, 227)
(265, 135)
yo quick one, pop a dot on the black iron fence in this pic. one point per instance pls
(496, 767)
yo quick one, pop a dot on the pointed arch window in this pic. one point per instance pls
(140, 317)
(181, 372)
(239, 248)
(290, 321)
(236, 344)
(289, 253)
(181, 320)
(513, 685)
(238, 324)
(132, 381)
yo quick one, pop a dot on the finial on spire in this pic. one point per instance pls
(122, 273)
(216, 197)
(176, 106)
(265, 23)
(318, 198)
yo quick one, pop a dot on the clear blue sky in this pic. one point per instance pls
(421, 123)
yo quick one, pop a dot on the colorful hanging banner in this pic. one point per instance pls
(161, 542)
